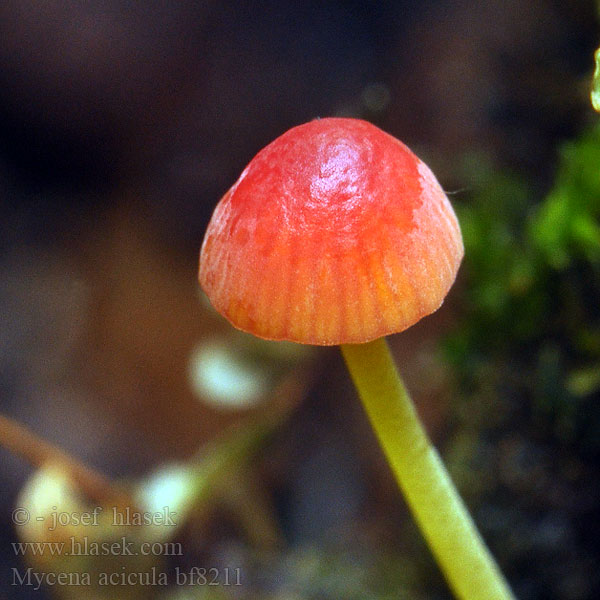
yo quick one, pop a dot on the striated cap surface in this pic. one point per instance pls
(335, 233)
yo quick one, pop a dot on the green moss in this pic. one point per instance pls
(531, 281)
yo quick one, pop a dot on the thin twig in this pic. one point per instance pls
(23, 442)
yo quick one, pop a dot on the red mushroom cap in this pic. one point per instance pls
(335, 233)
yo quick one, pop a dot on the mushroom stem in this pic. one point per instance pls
(435, 503)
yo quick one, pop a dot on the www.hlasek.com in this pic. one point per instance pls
(83, 546)
(196, 576)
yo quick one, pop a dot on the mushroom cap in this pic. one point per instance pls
(335, 233)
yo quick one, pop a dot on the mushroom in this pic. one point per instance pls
(336, 233)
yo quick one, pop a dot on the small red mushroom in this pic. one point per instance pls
(334, 233)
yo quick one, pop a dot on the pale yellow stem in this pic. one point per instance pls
(437, 507)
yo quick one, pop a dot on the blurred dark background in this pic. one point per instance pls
(122, 124)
